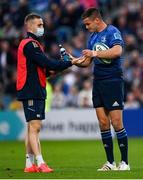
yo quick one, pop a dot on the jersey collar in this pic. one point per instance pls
(29, 34)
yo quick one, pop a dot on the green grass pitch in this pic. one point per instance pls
(70, 160)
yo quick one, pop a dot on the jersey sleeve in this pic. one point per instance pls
(115, 38)
(33, 52)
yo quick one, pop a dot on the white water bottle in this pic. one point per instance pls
(63, 53)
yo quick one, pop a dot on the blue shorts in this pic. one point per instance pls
(34, 109)
(108, 94)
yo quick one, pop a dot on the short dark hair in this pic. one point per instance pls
(31, 16)
(92, 12)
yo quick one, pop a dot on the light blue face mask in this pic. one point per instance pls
(39, 32)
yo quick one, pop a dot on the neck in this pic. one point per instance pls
(30, 31)
(102, 26)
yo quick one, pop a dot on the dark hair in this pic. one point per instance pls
(92, 13)
(31, 16)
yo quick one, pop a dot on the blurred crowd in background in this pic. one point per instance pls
(63, 25)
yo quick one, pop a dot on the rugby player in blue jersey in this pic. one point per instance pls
(105, 47)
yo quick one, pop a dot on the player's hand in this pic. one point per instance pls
(77, 61)
(89, 53)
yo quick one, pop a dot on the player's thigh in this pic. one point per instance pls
(102, 115)
(96, 98)
(112, 93)
(116, 119)
(34, 109)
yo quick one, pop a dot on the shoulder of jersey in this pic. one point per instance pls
(113, 29)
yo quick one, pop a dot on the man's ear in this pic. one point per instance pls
(96, 20)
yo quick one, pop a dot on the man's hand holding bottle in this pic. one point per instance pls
(68, 57)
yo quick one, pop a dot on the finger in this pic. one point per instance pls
(84, 51)
(70, 56)
(81, 61)
(80, 58)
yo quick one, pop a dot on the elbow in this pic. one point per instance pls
(117, 53)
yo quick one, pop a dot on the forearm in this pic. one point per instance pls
(108, 54)
(55, 65)
(111, 53)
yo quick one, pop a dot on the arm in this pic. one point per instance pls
(35, 54)
(111, 53)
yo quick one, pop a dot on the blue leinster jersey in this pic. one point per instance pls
(107, 69)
